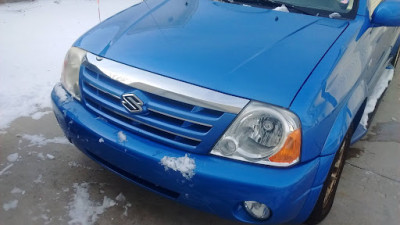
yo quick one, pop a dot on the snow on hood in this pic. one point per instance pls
(254, 53)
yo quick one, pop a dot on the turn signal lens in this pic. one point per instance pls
(290, 152)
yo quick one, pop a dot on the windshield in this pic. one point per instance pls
(327, 8)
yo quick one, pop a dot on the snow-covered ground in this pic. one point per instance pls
(34, 37)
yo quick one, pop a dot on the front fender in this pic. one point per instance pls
(332, 95)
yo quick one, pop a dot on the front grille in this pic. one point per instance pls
(180, 125)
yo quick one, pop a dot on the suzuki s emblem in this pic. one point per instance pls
(132, 103)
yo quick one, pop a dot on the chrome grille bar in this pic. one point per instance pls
(150, 109)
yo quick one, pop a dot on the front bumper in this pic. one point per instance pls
(219, 185)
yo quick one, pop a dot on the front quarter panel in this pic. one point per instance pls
(332, 95)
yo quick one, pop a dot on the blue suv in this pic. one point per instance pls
(244, 108)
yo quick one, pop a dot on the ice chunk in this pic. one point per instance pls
(41, 156)
(10, 205)
(6, 168)
(120, 197)
(49, 156)
(121, 137)
(281, 8)
(184, 165)
(17, 191)
(335, 15)
(12, 157)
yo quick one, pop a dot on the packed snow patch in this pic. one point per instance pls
(10, 205)
(61, 93)
(82, 210)
(380, 87)
(281, 8)
(30, 70)
(12, 157)
(17, 191)
(121, 137)
(184, 164)
(40, 140)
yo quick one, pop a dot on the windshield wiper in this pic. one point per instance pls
(291, 7)
(272, 4)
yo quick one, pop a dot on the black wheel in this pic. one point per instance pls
(327, 195)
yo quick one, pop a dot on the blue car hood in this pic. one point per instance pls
(250, 52)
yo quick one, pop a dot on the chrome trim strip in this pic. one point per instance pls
(102, 90)
(167, 87)
(180, 118)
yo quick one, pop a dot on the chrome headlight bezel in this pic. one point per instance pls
(70, 73)
(259, 134)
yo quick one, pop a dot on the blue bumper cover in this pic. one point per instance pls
(219, 185)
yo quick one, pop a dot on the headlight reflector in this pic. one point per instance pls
(70, 73)
(262, 134)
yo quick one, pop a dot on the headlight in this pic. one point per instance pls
(70, 73)
(262, 134)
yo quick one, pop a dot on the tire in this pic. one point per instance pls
(396, 58)
(327, 195)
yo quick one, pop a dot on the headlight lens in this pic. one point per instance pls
(70, 73)
(262, 134)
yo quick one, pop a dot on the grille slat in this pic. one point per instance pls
(95, 101)
(177, 124)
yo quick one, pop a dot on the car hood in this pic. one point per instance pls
(255, 53)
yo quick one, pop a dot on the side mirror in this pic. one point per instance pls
(387, 14)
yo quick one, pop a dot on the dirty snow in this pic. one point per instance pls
(184, 165)
(380, 87)
(35, 36)
(121, 137)
(281, 8)
(10, 205)
(6, 168)
(12, 157)
(82, 210)
(40, 140)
